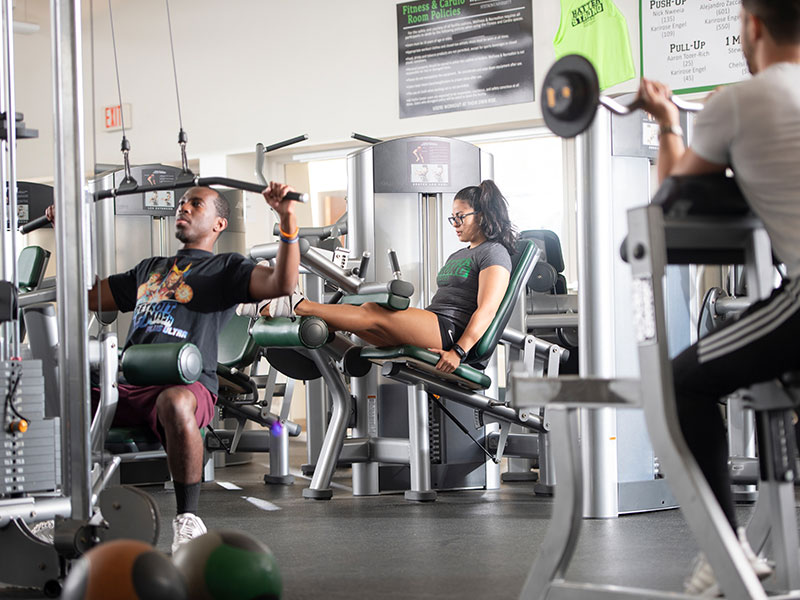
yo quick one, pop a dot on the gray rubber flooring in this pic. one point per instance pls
(467, 544)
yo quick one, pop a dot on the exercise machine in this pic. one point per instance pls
(685, 223)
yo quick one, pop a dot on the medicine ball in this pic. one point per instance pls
(124, 570)
(228, 565)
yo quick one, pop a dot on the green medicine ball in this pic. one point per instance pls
(228, 565)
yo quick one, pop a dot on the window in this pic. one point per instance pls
(327, 182)
(528, 169)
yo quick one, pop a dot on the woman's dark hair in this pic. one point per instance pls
(493, 207)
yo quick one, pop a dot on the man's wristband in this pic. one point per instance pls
(460, 351)
(289, 240)
(289, 235)
(668, 128)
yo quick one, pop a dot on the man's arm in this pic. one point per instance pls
(266, 282)
(673, 157)
(106, 301)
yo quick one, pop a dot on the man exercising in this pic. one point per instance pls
(754, 128)
(188, 298)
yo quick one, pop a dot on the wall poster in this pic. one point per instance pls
(458, 55)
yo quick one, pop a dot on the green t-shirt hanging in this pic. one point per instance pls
(597, 30)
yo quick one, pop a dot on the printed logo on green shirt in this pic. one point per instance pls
(455, 268)
(586, 12)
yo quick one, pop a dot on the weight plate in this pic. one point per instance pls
(709, 320)
(130, 514)
(570, 95)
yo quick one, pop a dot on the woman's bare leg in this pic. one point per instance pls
(378, 325)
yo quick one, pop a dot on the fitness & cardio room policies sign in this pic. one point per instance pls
(691, 45)
(458, 55)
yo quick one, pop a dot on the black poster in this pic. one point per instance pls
(463, 54)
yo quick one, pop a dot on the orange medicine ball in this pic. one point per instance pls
(124, 570)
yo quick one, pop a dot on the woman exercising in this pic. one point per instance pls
(471, 283)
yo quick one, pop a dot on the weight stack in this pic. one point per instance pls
(31, 459)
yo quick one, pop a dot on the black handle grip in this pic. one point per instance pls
(284, 143)
(334, 299)
(393, 261)
(365, 138)
(37, 223)
(362, 267)
(248, 187)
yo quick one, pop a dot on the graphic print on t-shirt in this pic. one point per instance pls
(454, 268)
(157, 298)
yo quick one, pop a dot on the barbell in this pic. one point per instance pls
(571, 95)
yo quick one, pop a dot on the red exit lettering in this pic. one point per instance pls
(113, 114)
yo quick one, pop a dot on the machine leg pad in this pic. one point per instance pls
(420, 496)
(279, 479)
(325, 494)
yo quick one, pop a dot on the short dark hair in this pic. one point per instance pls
(222, 206)
(780, 17)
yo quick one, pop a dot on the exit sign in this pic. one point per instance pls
(111, 117)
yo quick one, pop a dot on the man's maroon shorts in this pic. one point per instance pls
(137, 405)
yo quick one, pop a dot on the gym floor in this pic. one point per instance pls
(467, 544)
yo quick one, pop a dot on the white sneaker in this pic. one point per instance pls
(186, 527)
(44, 530)
(702, 581)
(285, 305)
(759, 563)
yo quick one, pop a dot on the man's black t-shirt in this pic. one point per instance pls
(184, 298)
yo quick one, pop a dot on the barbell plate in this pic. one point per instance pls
(570, 96)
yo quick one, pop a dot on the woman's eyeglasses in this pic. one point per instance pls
(457, 220)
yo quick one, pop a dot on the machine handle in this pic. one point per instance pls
(323, 233)
(362, 266)
(395, 264)
(626, 109)
(37, 223)
(201, 181)
(365, 138)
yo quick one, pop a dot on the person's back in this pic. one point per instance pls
(755, 127)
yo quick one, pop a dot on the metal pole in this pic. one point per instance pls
(69, 191)
(11, 147)
(595, 302)
(5, 338)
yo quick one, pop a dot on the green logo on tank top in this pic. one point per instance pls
(455, 268)
(586, 11)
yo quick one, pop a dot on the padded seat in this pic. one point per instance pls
(236, 349)
(31, 265)
(235, 346)
(425, 360)
(123, 440)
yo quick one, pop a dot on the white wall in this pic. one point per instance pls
(250, 71)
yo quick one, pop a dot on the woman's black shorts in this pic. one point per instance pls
(449, 330)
